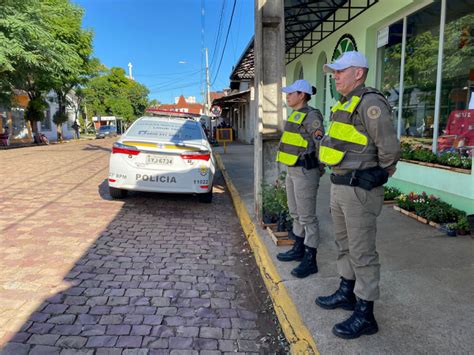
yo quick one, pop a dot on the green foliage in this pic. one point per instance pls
(60, 117)
(454, 159)
(463, 224)
(35, 109)
(391, 193)
(112, 93)
(269, 202)
(274, 198)
(406, 151)
(430, 207)
(424, 155)
(42, 48)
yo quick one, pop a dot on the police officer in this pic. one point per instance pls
(298, 150)
(362, 148)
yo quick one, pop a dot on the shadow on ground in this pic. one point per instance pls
(167, 273)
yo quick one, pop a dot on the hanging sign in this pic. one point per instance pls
(216, 110)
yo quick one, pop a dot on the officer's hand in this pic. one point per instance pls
(322, 170)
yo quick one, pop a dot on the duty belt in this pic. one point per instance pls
(365, 179)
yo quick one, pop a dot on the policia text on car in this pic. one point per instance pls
(362, 148)
(298, 151)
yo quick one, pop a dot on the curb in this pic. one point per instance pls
(300, 339)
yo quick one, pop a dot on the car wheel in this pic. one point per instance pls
(205, 198)
(117, 193)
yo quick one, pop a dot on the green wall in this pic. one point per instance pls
(452, 187)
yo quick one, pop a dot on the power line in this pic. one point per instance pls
(191, 71)
(225, 43)
(218, 37)
(175, 87)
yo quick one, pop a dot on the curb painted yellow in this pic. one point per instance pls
(299, 337)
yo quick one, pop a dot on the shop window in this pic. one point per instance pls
(456, 106)
(389, 58)
(456, 127)
(421, 58)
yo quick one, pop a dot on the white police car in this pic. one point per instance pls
(162, 154)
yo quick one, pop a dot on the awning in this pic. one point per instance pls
(231, 100)
(307, 22)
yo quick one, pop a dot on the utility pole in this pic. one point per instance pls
(208, 93)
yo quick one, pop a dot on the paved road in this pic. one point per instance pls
(82, 273)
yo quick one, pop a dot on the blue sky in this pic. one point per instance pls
(156, 35)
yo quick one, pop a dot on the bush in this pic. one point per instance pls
(274, 199)
(391, 193)
(269, 202)
(430, 207)
(418, 153)
(463, 224)
(425, 155)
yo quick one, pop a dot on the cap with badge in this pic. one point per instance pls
(299, 85)
(347, 60)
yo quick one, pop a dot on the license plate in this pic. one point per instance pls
(159, 160)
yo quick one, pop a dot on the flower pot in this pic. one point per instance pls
(451, 232)
(461, 232)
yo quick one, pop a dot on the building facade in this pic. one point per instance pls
(421, 56)
(19, 130)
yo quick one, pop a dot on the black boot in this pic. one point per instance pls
(361, 322)
(295, 253)
(308, 265)
(343, 298)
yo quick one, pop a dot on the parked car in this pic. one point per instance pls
(106, 131)
(162, 154)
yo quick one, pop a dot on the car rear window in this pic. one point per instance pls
(168, 131)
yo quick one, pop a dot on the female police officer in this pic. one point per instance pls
(298, 150)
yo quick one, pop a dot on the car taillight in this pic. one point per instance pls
(196, 156)
(124, 149)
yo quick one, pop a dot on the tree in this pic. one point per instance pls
(114, 94)
(42, 47)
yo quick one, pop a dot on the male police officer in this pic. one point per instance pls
(298, 150)
(362, 148)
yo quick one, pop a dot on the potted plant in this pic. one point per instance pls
(451, 229)
(270, 204)
(463, 226)
(391, 193)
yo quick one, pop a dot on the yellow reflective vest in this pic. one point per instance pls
(292, 143)
(342, 135)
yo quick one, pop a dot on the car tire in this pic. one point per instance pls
(205, 198)
(117, 193)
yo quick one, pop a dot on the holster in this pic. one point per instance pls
(366, 179)
(310, 161)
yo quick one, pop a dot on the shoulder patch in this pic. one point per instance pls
(316, 124)
(374, 112)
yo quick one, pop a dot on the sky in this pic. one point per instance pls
(164, 41)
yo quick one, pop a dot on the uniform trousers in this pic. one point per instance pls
(354, 212)
(302, 189)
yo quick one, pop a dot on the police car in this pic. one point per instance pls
(162, 154)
